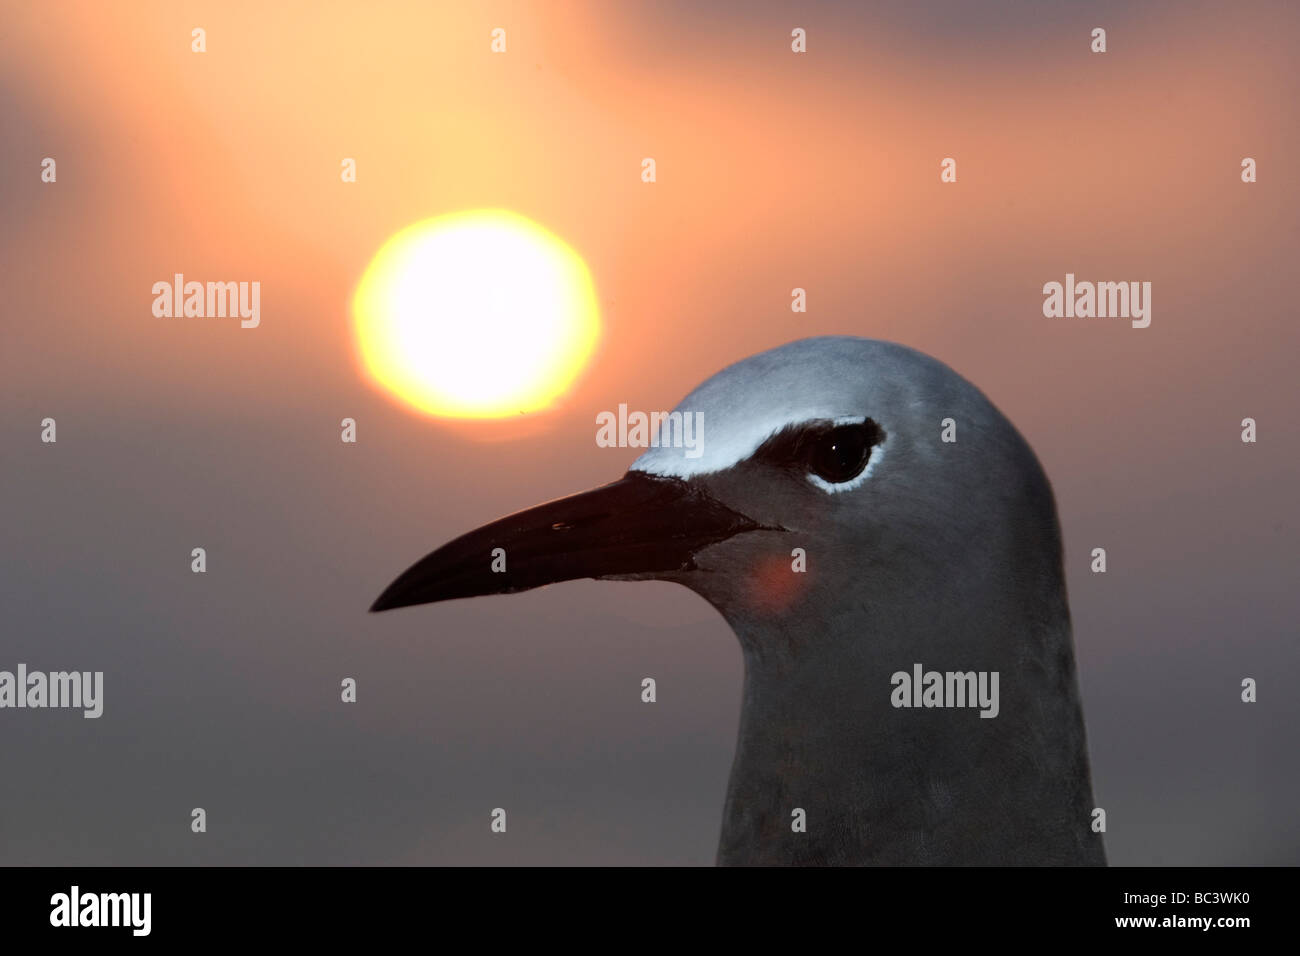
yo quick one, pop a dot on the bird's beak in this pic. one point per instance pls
(638, 525)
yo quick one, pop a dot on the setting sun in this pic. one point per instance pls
(479, 314)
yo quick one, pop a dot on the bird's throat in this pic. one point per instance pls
(830, 769)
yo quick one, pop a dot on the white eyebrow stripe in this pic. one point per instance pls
(671, 462)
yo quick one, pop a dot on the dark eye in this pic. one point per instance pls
(827, 454)
(839, 454)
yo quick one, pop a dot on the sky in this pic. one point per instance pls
(775, 171)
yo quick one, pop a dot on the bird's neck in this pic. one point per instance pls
(829, 770)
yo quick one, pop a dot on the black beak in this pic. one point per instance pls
(638, 525)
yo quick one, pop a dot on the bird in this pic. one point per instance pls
(858, 511)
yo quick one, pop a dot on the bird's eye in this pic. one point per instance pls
(839, 454)
(834, 455)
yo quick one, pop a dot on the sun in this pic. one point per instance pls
(479, 314)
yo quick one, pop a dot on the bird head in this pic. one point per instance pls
(826, 471)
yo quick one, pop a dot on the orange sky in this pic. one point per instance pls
(774, 172)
